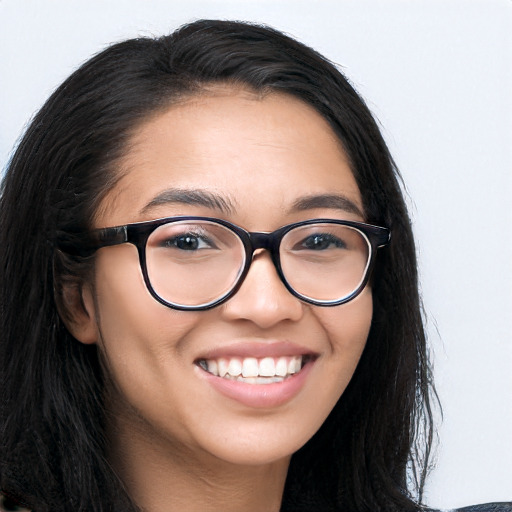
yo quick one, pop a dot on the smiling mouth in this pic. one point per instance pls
(252, 370)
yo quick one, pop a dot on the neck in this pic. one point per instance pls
(163, 477)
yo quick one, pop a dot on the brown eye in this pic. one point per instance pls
(188, 242)
(323, 241)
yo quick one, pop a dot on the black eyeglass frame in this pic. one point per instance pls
(139, 232)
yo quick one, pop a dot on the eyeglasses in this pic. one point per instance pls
(196, 263)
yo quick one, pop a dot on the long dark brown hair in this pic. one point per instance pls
(372, 453)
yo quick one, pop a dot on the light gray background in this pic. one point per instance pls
(438, 76)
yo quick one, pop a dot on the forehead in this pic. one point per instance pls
(247, 149)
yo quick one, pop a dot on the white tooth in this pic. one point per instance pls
(250, 367)
(281, 367)
(222, 365)
(294, 364)
(267, 367)
(213, 367)
(235, 367)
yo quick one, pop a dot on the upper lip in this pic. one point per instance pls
(257, 349)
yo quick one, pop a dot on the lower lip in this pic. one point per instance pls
(260, 396)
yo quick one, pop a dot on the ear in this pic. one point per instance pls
(80, 312)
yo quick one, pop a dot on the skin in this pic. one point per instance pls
(177, 443)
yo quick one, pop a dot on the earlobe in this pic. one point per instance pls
(80, 314)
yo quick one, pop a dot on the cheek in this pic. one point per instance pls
(138, 335)
(346, 328)
(124, 302)
(140, 340)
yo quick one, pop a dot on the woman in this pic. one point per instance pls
(162, 351)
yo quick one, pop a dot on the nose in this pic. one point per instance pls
(263, 298)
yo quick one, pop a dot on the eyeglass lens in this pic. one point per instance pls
(193, 263)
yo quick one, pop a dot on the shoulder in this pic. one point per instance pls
(8, 505)
(486, 507)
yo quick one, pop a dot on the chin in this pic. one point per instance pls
(256, 457)
(257, 448)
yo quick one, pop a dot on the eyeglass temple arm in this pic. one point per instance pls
(77, 244)
(109, 236)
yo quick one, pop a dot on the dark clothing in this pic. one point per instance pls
(488, 507)
(7, 505)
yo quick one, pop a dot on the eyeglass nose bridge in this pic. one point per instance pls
(267, 241)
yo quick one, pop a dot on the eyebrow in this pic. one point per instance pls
(190, 197)
(225, 205)
(332, 201)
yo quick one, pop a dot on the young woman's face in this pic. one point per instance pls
(260, 159)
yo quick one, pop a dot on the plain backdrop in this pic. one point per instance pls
(438, 76)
